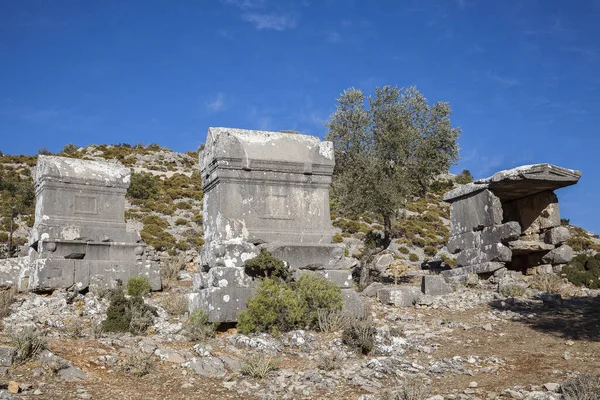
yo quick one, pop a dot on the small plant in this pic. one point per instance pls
(265, 265)
(430, 251)
(583, 387)
(258, 366)
(398, 270)
(175, 304)
(169, 271)
(28, 343)
(74, 328)
(512, 290)
(547, 283)
(198, 328)
(138, 364)
(360, 335)
(7, 297)
(138, 286)
(337, 238)
(413, 257)
(143, 186)
(584, 270)
(332, 320)
(96, 330)
(411, 388)
(127, 315)
(464, 177)
(404, 250)
(142, 316)
(181, 221)
(328, 361)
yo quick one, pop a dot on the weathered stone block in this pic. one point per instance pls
(221, 303)
(434, 285)
(228, 277)
(557, 235)
(307, 256)
(534, 213)
(342, 278)
(525, 247)
(560, 255)
(401, 296)
(353, 304)
(475, 212)
(463, 241)
(371, 290)
(484, 254)
(7, 356)
(500, 233)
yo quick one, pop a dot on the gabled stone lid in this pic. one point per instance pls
(526, 180)
(231, 148)
(83, 172)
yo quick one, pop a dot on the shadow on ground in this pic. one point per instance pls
(575, 318)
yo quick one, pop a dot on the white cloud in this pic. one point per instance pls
(217, 104)
(246, 4)
(276, 22)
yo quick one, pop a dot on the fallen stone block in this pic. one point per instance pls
(434, 285)
(7, 355)
(560, 255)
(463, 241)
(353, 304)
(500, 233)
(401, 296)
(557, 235)
(371, 290)
(493, 252)
(519, 247)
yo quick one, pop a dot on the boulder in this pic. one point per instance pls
(400, 296)
(434, 285)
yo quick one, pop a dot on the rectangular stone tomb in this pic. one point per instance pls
(79, 236)
(512, 217)
(265, 190)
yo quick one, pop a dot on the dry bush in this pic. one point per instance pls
(512, 291)
(96, 330)
(411, 388)
(138, 364)
(7, 297)
(547, 283)
(360, 335)
(583, 387)
(28, 343)
(332, 320)
(170, 269)
(74, 328)
(328, 361)
(53, 364)
(258, 366)
(175, 304)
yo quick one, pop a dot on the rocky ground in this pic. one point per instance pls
(471, 344)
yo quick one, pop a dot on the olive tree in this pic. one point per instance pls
(389, 147)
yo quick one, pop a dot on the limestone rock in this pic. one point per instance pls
(434, 285)
(401, 296)
(371, 290)
(7, 355)
(557, 235)
(475, 212)
(207, 366)
(560, 255)
(494, 252)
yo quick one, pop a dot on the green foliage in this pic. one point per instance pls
(127, 315)
(430, 251)
(70, 150)
(258, 366)
(28, 344)
(351, 226)
(513, 290)
(413, 257)
(138, 286)
(580, 241)
(337, 238)
(282, 306)
(198, 328)
(584, 270)
(143, 186)
(154, 235)
(181, 221)
(464, 177)
(565, 221)
(446, 259)
(403, 250)
(265, 265)
(390, 151)
(360, 335)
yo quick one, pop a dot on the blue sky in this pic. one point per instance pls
(522, 75)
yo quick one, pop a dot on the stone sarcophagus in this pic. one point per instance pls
(264, 190)
(79, 236)
(509, 220)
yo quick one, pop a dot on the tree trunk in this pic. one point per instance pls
(387, 229)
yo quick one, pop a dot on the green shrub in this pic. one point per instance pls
(257, 366)
(143, 186)
(413, 257)
(280, 306)
(360, 335)
(155, 220)
(198, 218)
(182, 245)
(550, 283)
(28, 343)
(464, 177)
(430, 251)
(584, 270)
(404, 250)
(198, 328)
(265, 265)
(512, 291)
(156, 237)
(446, 259)
(127, 315)
(181, 221)
(183, 205)
(138, 286)
(138, 364)
(337, 238)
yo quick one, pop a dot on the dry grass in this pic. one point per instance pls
(258, 366)
(411, 388)
(138, 364)
(170, 269)
(331, 320)
(584, 387)
(28, 343)
(175, 304)
(547, 283)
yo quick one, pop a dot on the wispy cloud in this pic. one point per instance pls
(246, 4)
(504, 81)
(333, 37)
(217, 104)
(276, 22)
(586, 52)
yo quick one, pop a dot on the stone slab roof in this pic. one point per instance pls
(72, 170)
(526, 180)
